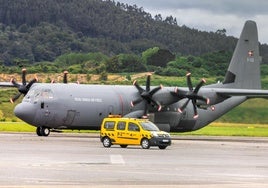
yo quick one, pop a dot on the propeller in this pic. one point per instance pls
(22, 88)
(65, 79)
(192, 95)
(147, 95)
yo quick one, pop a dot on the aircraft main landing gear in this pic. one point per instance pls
(42, 131)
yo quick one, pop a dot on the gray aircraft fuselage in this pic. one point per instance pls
(77, 106)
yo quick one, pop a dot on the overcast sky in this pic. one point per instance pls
(211, 15)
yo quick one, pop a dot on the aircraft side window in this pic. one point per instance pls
(109, 125)
(133, 127)
(121, 125)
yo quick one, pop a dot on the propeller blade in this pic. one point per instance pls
(199, 85)
(198, 97)
(65, 81)
(184, 106)
(155, 103)
(148, 82)
(15, 83)
(133, 103)
(145, 111)
(153, 91)
(195, 110)
(13, 99)
(31, 83)
(135, 83)
(189, 81)
(23, 77)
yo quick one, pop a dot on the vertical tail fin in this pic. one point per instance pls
(244, 69)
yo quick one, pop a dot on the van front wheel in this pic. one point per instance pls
(106, 142)
(145, 144)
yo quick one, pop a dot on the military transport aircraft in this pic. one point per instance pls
(78, 106)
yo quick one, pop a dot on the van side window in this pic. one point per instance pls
(133, 127)
(121, 125)
(109, 125)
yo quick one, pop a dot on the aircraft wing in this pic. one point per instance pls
(250, 93)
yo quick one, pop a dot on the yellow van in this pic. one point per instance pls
(131, 131)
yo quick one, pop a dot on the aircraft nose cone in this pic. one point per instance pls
(26, 112)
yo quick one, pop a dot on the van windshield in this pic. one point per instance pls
(149, 126)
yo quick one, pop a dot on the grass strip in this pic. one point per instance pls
(214, 129)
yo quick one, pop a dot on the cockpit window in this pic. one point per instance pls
(46, 94)
(36, 94)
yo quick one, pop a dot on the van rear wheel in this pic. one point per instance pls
(145, 144)
(106, 142)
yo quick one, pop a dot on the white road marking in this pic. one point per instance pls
(117, 159)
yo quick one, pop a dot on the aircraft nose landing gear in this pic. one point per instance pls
(42, 131)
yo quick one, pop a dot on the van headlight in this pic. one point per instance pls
(154, 134)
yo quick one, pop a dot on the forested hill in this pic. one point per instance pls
(41, 30)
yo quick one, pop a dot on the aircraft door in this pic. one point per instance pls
(68, 120)
(133, 133)
(121, 132)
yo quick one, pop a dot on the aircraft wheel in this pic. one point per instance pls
(42, 131)
(45, 131)
(38, 131)
(145, 144)
(123, 146)
(106, 142)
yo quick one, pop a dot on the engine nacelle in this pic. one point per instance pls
(213, 97)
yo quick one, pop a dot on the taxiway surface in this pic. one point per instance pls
(80, 160)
